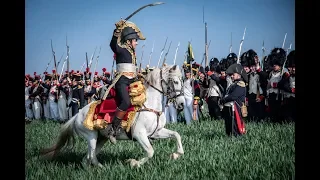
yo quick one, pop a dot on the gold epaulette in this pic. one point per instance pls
(79, 86)
(241, 84)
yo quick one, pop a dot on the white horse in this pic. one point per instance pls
(148, 123)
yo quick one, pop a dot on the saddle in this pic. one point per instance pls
(101, 112)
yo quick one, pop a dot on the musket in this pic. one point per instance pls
(54, 59)
(68, 51)
(284, 40)
(204, 54)
(140, 64)
(151, 54)
(92, 56)
(165, 56)
(64, 62)
(60, 60)
(263, 53)
(55, 66)
(47, 66)
(175, 55)
(95, 66)
(87, 60)
(285, 61)
(230, 50)
(205, 41)
(241, 42)
(162, 52)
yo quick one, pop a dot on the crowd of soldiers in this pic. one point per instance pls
(57, 99)
(270, 85)
(270, 88)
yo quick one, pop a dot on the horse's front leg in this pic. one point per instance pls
(164, 133)
(142, 138)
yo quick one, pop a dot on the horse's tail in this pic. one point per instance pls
(66, 137)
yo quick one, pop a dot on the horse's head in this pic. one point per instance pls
(168, 79)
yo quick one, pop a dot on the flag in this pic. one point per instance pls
(190, 56)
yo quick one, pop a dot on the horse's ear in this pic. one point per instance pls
(174, 68)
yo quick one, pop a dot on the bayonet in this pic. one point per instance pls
(87, 60)
(204, 54)
(47, 66)
(68, 53)
(151, 54)
(60, 60)
(284, 40)
(95, 66)
(241, 42)
(54, 59)
(175, 55)
(230, 50)
(162, 52)
(165, 56)
(140, 64)
(92, 56)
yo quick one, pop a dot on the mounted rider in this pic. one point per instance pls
(123, 44)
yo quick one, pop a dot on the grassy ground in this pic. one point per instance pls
(267, 151)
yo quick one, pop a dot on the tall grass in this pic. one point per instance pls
(267, 151)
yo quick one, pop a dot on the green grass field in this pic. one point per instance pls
(267, 151)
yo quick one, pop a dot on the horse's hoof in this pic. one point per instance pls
(112, 139)
(133, 163)
(174, 156)
(100, 165)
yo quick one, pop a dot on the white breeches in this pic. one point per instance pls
(29, 111)
(54, 110)
(62, 106)
(37, 108)
(171, 113)
(188, 109)
(46, 110)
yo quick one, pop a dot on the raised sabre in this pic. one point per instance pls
(135, 12)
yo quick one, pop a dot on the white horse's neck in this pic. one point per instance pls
(154, 99)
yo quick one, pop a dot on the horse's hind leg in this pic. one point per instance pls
(100, 142)
(143, 140)
(164, 133)
(92, 144)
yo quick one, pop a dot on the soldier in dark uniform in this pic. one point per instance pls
(87, 86)
(77, 94)
(36, 92)
(277, 58)
(215, 91)
(105, 76)
(123, 44)
(45, 95)
(234, 99)
(223, 76)
(287, 85)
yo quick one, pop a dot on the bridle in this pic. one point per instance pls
(171, 93)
